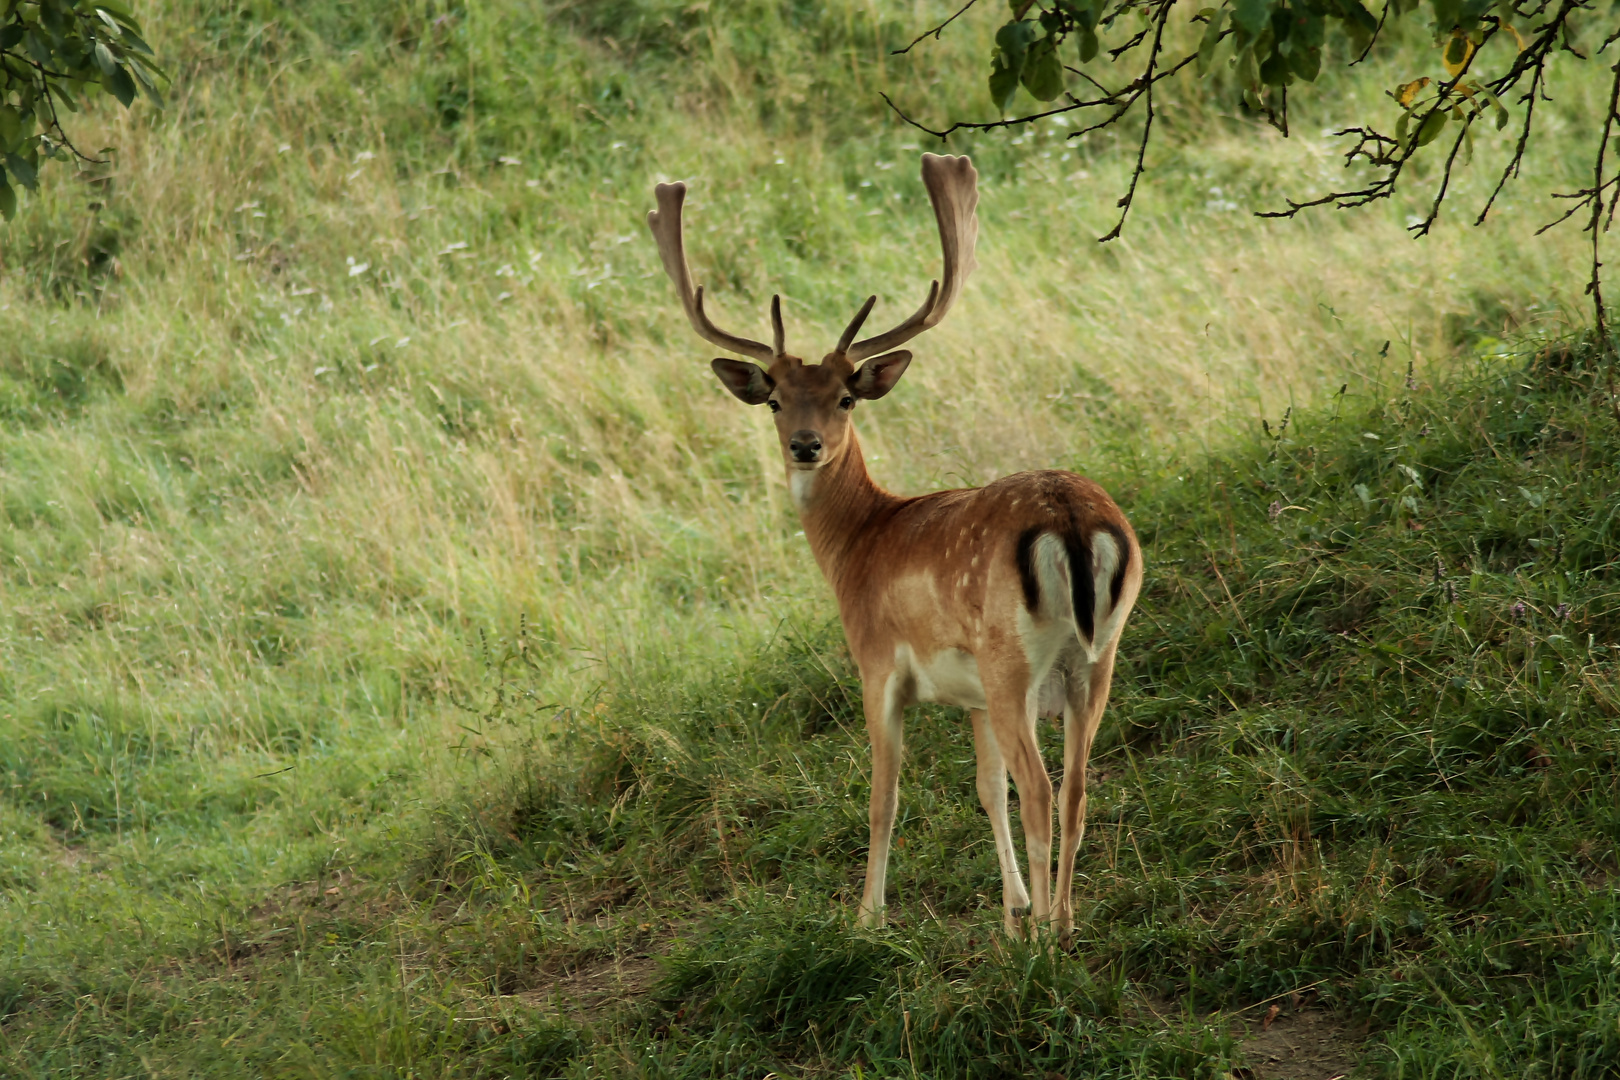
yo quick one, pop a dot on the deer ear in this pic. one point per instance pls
(747, 381)
(878, 375)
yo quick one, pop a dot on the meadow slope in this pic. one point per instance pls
(401, 633)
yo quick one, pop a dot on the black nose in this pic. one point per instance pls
(804, 446)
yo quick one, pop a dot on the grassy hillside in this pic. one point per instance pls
(398, 624)
(1361, 765)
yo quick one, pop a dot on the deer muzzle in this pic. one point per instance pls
(805, 446)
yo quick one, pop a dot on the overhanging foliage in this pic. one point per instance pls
(1103, 59)
(52, 54)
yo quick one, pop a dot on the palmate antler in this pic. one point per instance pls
(953, 187)
(665, 223)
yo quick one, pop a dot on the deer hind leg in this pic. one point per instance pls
(1082, 712)
(993, 796)
(1012, 720)
(884, 704)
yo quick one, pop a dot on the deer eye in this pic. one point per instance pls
(847, 403)
(776, 406)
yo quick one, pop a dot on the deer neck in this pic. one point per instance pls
(835, 503)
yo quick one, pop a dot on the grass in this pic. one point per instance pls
(390, 646)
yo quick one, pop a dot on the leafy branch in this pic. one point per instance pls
(53, 53)
(1273, 45)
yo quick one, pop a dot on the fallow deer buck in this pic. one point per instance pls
(1007, 600)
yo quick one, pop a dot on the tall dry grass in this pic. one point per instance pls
(372, 353)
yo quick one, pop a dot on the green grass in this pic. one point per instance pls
(1327, 770)
(456, 586)
(1364, 746)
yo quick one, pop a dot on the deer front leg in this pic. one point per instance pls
(884, 705)
(992, 783)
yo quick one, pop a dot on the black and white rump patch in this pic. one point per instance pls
(1084, 569)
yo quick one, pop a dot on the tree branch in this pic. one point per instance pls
(936, 31)
(1147, 129)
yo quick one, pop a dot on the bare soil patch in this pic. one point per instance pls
(1306, 1045)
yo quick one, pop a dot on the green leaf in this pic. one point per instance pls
(1501, 117)
(1251, 15)
(147, 83)
(104, 59)
(1401, 126)
(37, 49)
(1359, 15)
(1248, 70)
(1274, 71)
(67, 96)
(1043, 71)
(10, 34)
(1003, 84)
(1282, 24)
(1084, 12)
(52, 19)
(23, 170)
(10, 128)
(136, 43)
(1310, 31)
(1211, 39)
(1014, 41)
(1088, 44)
(1446, 14)
(1432, 127)
(1360, 37)
(118, 11)
(1306, 63)
(121, 86)
(8, 200)
(1457, 50)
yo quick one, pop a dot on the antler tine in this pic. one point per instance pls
(854, 326)
(953, 187)
(778, 335)
(665, 223)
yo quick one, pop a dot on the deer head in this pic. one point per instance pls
(812, 402)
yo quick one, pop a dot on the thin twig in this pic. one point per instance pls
(1383, 187)
(61, 132)
(936, 31)
(1147, 130)
(1512, 169)
(1596, 286)
(1422, 227)
(1382, 15)
(1121, 99)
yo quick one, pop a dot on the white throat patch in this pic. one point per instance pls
(800, 483)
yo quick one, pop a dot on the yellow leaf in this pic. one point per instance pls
(1405, 92)
(1518, 37)
(1459, 50)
